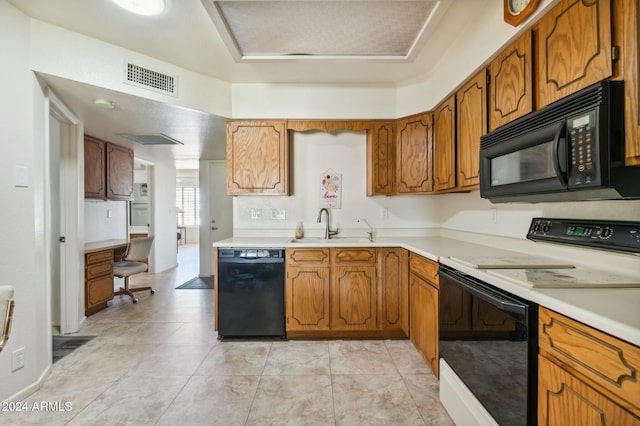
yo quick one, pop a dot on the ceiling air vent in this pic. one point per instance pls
(149, 79)
(151, 139)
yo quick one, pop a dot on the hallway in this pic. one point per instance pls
(159, 362)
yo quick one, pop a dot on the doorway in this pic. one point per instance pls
(64, 270)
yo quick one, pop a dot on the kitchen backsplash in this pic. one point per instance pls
(345, 153)
(105, 220)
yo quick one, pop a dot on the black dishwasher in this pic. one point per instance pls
(251, 292)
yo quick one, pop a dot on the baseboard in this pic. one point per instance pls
(24, 393)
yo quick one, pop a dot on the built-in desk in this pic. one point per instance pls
(98, 273)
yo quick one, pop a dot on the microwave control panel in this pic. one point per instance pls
(602, 234)
(583, 151)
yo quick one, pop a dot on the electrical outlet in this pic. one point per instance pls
(17, 359)
(494, 215)
(278, 214)
(384, 213)
(256, 213)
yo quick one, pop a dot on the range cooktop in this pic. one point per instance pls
(510, 262)
(565, 278)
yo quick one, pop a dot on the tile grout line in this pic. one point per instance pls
(255, 394)
(185, 384)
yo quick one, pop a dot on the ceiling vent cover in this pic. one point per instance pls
(152, 139)
(149, 79)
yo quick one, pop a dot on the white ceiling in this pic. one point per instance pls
(185, 35)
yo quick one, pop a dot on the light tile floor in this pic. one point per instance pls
(159, 362)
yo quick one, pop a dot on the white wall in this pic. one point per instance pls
(345, 153)
(470, 213)
(54, 49)
(312, 101)
(105, 220)
(22, 221)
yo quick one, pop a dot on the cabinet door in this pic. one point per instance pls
(415, 155)
(353, 298)
(423, 325)
(472, 124)
(444, 145)
(565, 400)
(381, 159)
(119, 173)
(98, 291)
(307, 298)
(393, 289)
(94, 168)
(257, 158)
(511, 83)
(573, 48)
(627, 31)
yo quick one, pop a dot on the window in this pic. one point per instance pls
(188, 205)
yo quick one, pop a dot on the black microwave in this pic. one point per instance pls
(571, 150)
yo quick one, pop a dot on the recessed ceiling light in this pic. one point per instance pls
(142, 7)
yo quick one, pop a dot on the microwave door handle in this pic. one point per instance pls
(560, 160)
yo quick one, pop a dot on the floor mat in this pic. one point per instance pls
(198, 283)
(64, 345)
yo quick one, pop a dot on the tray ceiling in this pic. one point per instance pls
(259, 30)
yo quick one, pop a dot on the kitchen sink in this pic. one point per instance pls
(334, 240)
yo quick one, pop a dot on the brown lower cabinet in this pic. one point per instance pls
(423, 309)
(346, 291)
(98, 280)
(585, 376)
(393, 289)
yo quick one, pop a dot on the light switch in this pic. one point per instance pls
(256, 213)
(21, 176)
(109, 213)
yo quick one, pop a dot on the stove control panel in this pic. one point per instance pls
(602, 234)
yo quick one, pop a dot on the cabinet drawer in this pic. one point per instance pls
(426, 268)
(351, 256)
(308, 256)
(605, 360)
(100, 269)
(99, 290)
(99, 256)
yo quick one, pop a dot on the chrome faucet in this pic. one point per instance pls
(370, 232)
(328, 233)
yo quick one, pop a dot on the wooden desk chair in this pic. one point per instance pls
(137, 250)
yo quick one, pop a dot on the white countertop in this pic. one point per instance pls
(613, 310)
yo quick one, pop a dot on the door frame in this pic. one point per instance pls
(71, 214)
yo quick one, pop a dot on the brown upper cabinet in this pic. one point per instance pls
(381, 156)
(471, 125)
(95, 165)
(627, 36)
(510, 82)
(444, 145)
(119, 173)
(414, 154)
(108, 170)
(257, 158)
(573, 48)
